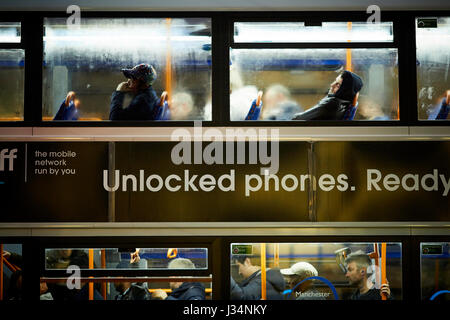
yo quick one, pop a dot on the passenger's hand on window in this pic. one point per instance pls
(384, 289)
(70, 97)
(159, 294)
(123, 87)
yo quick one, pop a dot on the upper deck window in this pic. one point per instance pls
(433, 66)
(330, 71)
(286, 32)
(89, 60)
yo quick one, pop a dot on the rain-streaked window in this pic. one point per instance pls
(12, 74)
(295, 80)
(433, 66)
(324, 32)
(87, 62)
(314, 71)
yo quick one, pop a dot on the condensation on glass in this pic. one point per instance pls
(126, 258)
(289, 32)
(327, 262)
(88, 60)
(12, 74)
(294, 80)
(433, 66)
(434, 271)
(10, 32)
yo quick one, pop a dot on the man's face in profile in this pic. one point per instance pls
(353, 275)
(244, 268)
(334, 87)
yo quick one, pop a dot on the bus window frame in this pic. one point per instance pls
(222, 39)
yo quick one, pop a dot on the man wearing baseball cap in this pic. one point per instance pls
(144, 103)
(302, 290)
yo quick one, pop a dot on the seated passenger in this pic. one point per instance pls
(144, 103)
(337, 105)
(296, 274)
(181, 290)
(69, 108)
(357, 265)
(278, 104)
(250, 288)
(443, 110)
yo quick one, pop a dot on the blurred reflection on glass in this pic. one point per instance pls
(433, 66)
(304, 76)
(124, 258)
(317, 271)
(88, 61)
(254, 32)
(435, 270)
(10, 32)
(12, 73)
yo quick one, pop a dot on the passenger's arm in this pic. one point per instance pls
(386, 290)
(117, 112)
(249, 292)
(14, 258)
(316, 112)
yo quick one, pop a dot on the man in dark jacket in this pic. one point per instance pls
(181, 290)
(337, 105)
(144, 104)
(250, 288)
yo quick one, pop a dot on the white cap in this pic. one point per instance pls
(300, 268)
